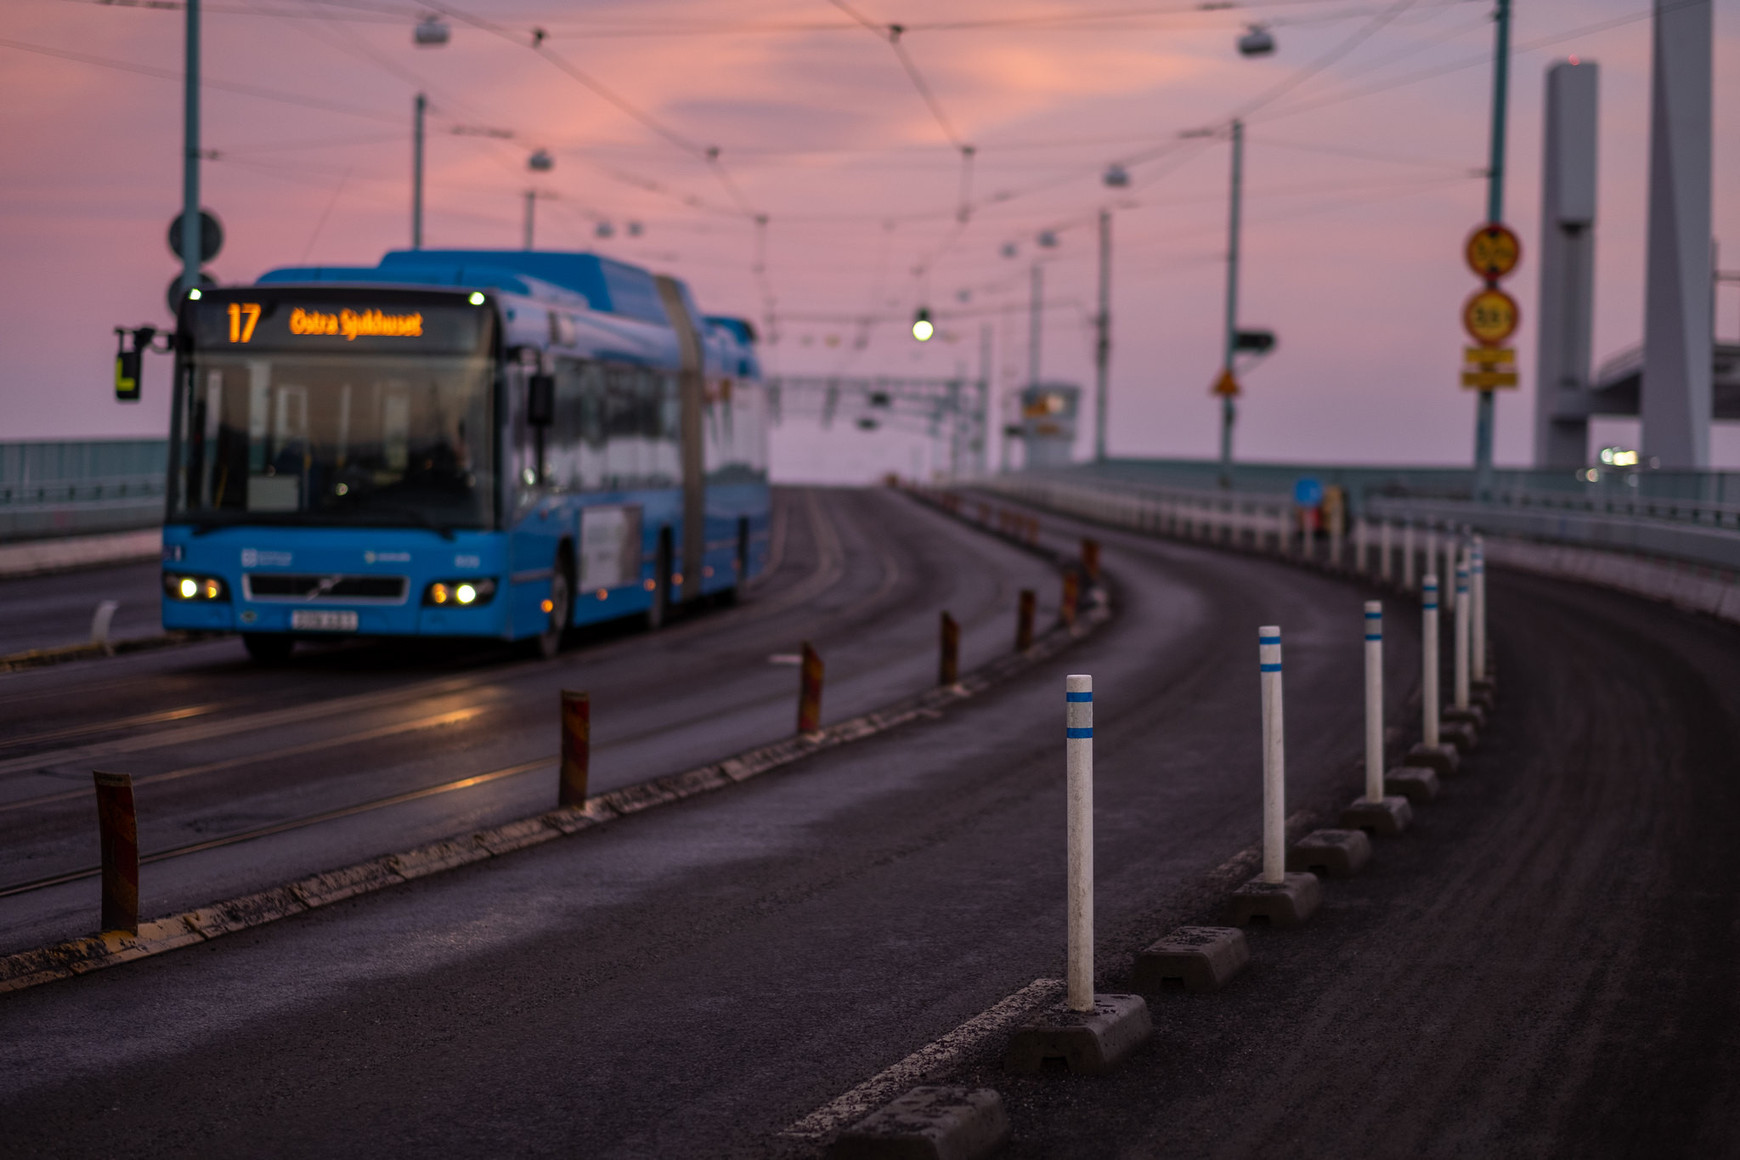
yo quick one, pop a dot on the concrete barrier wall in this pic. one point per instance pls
(51, 489)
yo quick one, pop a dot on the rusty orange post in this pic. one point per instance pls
(118, 834)
(810, 692)
(1024, 620)
(1032, 529)
(1090, 559)
(576, 747)
(1071, 594)
(948, 670)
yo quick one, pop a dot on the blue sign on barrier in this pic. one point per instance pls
(1307, 493)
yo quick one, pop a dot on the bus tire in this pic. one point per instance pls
(268, 648)
(549, 642)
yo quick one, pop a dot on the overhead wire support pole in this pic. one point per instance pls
(421, 112)
(191, 234)
(1484, 409)
(1228, 411)
(1035, 324)
(1103, 343)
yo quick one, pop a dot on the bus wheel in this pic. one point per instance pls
(549, 642)
(268, 648)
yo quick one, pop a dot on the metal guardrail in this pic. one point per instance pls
(83, 487)
(1271, 525)
(1688, 531)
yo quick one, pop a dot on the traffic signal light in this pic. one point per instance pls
(128, 362)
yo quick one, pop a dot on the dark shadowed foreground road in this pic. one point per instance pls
(1545, 966)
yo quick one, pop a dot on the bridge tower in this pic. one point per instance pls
(1567, 265)
(1678, 340)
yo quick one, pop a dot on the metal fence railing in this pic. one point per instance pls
(1686, 517)
(80, 487)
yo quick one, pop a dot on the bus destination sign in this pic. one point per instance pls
(256, 320)
(351, 323)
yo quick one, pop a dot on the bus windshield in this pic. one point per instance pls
(334, 438)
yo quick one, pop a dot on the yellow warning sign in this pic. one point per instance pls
(1487, 380)
(1488, 355)
(1225, 385)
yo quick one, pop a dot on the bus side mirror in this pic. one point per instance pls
(541, 400)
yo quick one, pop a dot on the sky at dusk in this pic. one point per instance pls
(1366, 144)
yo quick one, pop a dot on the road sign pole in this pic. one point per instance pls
(1103, 345)
(1035, 323)
(1484, 410)
(190, 225)
(1228, 411)
(421, 108)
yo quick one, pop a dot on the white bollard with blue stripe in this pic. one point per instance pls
(1460, 690)
(1478, 594)
(1274, 896)
(1429, 661)
(1373, 812)
(1274, 757)
(1079, 747)
(1374, 701)
(1088, 1033)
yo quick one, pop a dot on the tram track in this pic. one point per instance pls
(844, 580)
(832, 555)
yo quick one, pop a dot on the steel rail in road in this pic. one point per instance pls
(879, 576)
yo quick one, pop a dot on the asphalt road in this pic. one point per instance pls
(220, 747)
(1544, 966)
(54, 610)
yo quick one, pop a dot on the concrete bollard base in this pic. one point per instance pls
(1195, 958)
(1473, 715)
(1331, 853)
(1416, 783)
(1440, 759)
(1386, 817)
(1081, 1042)
(1286, 903)
(1461, 735)
(928, 1123)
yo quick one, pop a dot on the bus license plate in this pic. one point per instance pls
(323, 620)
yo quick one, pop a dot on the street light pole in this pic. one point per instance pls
(1103, 347)
(1227, 407)
(191, 234)
(421, 107)
(531, 198)
(1035, 323)
(982, 451)
(1483, 415)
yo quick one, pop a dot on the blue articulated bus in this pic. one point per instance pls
(458, 443)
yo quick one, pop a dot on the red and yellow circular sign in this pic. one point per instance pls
(1490, 316)
(1493, 251)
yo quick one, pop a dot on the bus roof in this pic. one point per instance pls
(577, 279)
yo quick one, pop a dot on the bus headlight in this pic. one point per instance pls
(181, 586)
(464, 593)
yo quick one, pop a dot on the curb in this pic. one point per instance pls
(31, 968)
(38, 658)
(46, 556)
